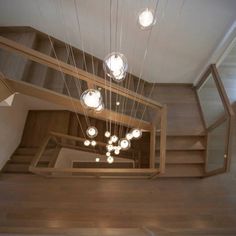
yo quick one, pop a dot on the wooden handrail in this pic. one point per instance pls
(72, 103)
(73, 71)
(227, 116)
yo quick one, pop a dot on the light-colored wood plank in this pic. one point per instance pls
(71, 104)
(163, 139)
(75, 72)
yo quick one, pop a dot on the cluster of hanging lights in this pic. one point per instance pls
(91, 132)
(115, 66)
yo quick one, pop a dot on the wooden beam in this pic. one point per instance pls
(152, 147)
(75, 72)
(5, 90)
(121, 171)
(75, 104)
(163, 139)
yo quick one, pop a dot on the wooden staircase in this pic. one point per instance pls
(185, 149)
(21, 159)
(50, 79)
(39, 123)
(185, 156)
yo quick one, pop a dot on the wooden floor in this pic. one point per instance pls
(160, 206)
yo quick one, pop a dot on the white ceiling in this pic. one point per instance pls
(186, 34)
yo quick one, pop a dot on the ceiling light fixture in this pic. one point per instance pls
(137, 133)
(91, 99)
(146, 19)
(92, 132)
(97, 159)
(124, 144)
(115, 66)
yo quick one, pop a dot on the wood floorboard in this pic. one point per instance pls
(171, 205)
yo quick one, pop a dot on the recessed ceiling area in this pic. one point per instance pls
(186, 33)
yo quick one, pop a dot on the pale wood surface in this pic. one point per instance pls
(162, 205)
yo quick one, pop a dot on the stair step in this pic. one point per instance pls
(16, 168)
(184, 143)
(31, 151)
(27, 158)
(183, 170)
(183, 157)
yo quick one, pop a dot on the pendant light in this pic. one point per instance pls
(115, 66)
(91, 99)
(92, 132)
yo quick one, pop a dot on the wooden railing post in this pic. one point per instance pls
(163, 139)
(152, 147)
(5, 90)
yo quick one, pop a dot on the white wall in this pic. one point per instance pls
(12, 120)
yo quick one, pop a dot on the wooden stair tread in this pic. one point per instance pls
(183, 157)
(16, 168)
(184, 170)
(31, 151)
(27, 158)
(183, 143)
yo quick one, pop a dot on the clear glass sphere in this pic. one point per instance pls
(146, 19)
(86, 142)
(100, 108)
(109, 147)
(115, 66)
(110, 142)
(108, 154)
(124, 144)
(114, 138)
(91, 99)
(110, 159)
(92, 132)
(107, 134)
(117, 151)
(93, 143)
(129, 136)
(137, 133)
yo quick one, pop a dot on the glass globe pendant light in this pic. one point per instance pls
(146, 19)
(137, 133)
(114, 138)
(115, 66)
(100, 108)
(110, 159)
(129, 136)
(124, 143)
(86, 143)
(91, 99)
(109, 147)
(92, 132)
(117, 151)
(93, 143)
(107, 134)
